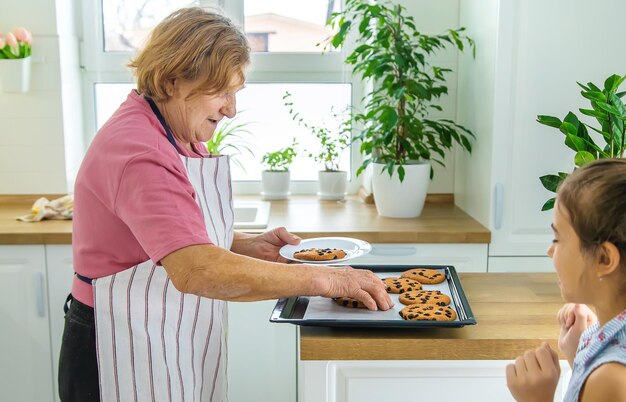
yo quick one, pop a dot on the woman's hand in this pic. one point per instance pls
(264, 246)
(574, 320)
(360, 284)
(535, 375)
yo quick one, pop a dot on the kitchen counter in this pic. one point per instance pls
(515, 312)
(441, 222)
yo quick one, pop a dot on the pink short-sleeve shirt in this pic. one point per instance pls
(132, 199)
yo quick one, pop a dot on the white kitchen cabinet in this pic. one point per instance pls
(60, 274)
(466, 257)
(262, 356)
(25, 372)
(529, 56)
(409, 381)
(520, 264)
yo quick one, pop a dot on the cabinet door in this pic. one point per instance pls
(60, 275)
(409, 381)
(464, 257)
(25, 368)
(261, 355)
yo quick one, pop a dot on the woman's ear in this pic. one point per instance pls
(170, 87)
(608, 259)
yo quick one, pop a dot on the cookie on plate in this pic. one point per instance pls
(424, 297)
(349, 302)
(401, 285)
(320, 254)
(427, 312)
(423, 275)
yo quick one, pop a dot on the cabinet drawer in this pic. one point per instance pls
(464, 257)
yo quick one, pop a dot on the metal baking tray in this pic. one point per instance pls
(324, 312)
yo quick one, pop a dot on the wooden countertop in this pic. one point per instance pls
(515, 312)
(440, 222)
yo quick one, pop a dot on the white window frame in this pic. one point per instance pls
(99, 66)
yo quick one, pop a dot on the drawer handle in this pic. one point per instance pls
(39, 294)
(400, 251)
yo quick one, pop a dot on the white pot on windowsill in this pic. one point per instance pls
(332, 184)
(275, 184)
(15, 75)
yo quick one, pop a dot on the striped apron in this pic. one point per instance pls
(155, 343)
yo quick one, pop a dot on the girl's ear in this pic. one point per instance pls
(608, 259)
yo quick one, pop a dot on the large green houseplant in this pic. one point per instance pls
(608, 109)
(397, 130)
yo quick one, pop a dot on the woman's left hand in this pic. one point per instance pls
(535, 375)
(264, 246)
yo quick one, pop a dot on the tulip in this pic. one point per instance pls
(2, 42)
(22, 35)
(13, 45)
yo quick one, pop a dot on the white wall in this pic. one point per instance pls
(32, 144)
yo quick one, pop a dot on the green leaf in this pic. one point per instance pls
(549, 121)
(594, 96)
(583, 157)
(549, 204)
(574, 142)
(568, 128)
(550, 182)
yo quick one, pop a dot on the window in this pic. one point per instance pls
(283, 35)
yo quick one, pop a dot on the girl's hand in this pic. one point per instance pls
(574, 320)
(535, 375)
(264, 246)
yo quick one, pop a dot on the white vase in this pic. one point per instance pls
(395, 199)
(15, 75)
(332, 185)
(275, 185)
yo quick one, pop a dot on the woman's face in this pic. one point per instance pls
(193, 119)
(572, 267)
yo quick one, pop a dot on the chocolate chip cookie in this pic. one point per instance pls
(349, 302)
(424, 297)
(401, 285)
(423, 275)
(320, 254)
(427, 312)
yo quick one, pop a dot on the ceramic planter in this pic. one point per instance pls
(275, 185)
(15, 75)
(395, 199)
(332, 185)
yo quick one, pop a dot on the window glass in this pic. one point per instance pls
(128, 22)
(288, 25)
(267, 122)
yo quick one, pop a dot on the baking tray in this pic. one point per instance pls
(324, 312)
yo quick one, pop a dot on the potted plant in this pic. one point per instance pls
(15, 60)
(228, 139)
(398, 136)
(275, 178)
(332, 181)
(608, 109)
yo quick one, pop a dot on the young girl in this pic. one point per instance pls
(589, 255)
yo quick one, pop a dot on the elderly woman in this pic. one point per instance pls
(155, 253)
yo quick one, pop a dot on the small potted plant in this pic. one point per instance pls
(275, 178)
(15, 59)
(398, 135)
(332, 181)
(608, 109)
(228, 139)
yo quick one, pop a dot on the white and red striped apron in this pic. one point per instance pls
(155, 343)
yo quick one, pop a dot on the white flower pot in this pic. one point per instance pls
(275, 185)
(15, 75)
(332, 185)
(395, 199)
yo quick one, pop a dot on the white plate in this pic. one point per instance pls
(353, 248)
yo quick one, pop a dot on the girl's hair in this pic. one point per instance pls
(193, 44)
(594, 197)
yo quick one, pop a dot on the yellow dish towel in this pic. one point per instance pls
(61, 208)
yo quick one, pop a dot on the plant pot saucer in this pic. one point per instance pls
(330, 197)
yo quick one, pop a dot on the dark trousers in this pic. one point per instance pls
(78, 365)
